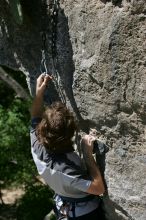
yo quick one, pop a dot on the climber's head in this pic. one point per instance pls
(57, 128)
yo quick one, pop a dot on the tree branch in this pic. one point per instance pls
(13, 84)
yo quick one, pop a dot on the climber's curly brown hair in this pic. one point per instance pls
(56, 129)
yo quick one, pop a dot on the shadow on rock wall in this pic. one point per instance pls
(66, 67)
(21, 45)
(111, 210)
(114, 2)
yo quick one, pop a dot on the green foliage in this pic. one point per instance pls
(16, 165)
(53, 217)
(35, 204)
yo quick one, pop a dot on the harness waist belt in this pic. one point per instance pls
(78, 200)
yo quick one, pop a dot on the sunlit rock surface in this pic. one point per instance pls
(102, 63)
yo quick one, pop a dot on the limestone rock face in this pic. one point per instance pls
(101, 50)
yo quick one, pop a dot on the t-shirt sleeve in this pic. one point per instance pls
(33, 138)
(37, 149)
(76, 181)
(81, 184)
(69, 185)
(35, 121)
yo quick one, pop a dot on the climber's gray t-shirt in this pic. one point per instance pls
(63, 173)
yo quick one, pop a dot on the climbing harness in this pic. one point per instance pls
(53, 8)
(72, 202)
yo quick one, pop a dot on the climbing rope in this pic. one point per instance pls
(53, 8)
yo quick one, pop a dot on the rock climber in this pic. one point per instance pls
(76, 190)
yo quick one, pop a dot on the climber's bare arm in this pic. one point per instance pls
(97, 185)
(37, 104)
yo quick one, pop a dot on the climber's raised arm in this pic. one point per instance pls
(37, 104)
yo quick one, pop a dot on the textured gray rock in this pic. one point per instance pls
(102, 63)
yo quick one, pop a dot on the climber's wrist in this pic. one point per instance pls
(39, 94)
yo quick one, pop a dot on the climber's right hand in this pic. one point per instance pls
(41, 83)
(87, 143)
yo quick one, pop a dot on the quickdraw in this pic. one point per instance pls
(53, 8)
